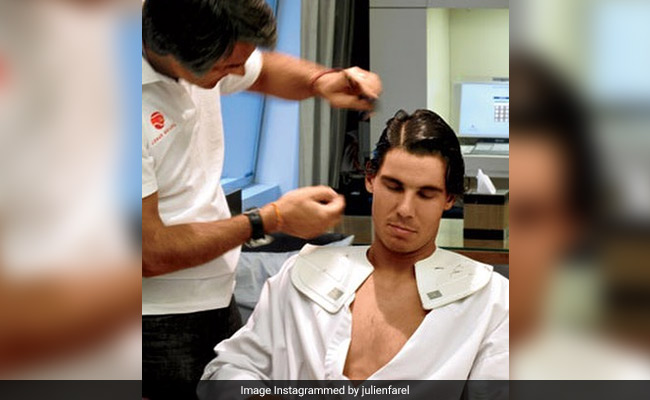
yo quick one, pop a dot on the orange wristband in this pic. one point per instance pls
(278, 216)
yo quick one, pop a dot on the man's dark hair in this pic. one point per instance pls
(200, 32)
(547, 106)
(422, 133)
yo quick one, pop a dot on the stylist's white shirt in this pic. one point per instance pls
(291, 334)
(182, 160)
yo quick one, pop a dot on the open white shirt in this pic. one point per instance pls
(291, 335)
(182, 160)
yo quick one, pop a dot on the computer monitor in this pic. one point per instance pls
(484, 110)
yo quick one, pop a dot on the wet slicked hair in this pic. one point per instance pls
(198, 33)
(422, 133)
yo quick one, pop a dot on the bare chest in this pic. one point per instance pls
(383, 320)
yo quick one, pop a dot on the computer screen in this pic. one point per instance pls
(484, 110)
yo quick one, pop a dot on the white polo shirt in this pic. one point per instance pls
(182, 160)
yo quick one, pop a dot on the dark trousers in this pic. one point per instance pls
(177, 347)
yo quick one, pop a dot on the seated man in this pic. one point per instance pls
(401, 309)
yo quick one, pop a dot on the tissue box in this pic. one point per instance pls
(486, 219)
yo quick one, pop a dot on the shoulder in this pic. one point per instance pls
(495, 298)
(330, 276)
(446, 277)
(470, 286)
(494, 293)
(500, 285)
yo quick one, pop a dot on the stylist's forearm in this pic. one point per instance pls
(172, 248)
(286, 77)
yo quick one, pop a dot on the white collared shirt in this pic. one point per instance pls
(291, 337)
(182, 160)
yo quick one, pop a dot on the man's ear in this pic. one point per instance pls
(449, 203)
(370, 182)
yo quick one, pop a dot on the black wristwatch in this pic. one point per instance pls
(258, 237)
(257, 226)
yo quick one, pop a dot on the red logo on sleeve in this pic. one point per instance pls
(157, 120)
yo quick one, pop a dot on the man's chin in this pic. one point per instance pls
(400, 246)
(209, 86)
(203, 84)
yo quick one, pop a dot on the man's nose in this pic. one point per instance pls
(406, 208)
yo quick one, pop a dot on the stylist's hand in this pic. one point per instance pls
(308, 212)
(351, 88)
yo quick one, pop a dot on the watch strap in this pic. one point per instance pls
(257, 226)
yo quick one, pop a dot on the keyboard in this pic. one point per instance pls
(486, 149)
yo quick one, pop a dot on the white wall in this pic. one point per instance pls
(479, 48)
(421, 52)
(398, 53)
(463, 44)
(479, 42)
(438, 64)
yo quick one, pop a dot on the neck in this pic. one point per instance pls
(389, 261)
(160, 63)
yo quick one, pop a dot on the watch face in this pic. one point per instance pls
(259, 242)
